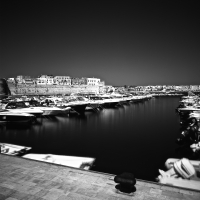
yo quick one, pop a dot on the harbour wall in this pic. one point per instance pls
(53, 89)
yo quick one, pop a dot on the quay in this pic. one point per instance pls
(23, 179)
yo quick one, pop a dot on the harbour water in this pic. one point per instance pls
(136, 137)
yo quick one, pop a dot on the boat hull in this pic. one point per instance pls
(111, 104)
(79, 108)
(71, 161)
(15, 118)
(15, 150)
(191, 183)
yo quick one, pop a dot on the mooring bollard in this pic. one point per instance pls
(126, 182)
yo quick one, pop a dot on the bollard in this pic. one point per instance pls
(126, 182)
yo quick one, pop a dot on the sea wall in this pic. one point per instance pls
(53, 89)
(4, 88)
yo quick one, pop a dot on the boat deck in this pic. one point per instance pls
(23, 179)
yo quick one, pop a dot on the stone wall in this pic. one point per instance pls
(52, 90)
(4, 88)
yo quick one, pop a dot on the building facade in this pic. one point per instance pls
(62, 80)
(194, 87)
(93, 81)
(21, 78)
(45, 80)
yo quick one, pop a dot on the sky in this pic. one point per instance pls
(137, 42)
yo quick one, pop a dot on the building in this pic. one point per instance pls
(45, 80)
(194, 87)
(11, 80)
(83, 81)
(102, 83)
(75, 81)
(45, 76)
(93, 81)
(62, 80)
(21, 78)
(29, 81)
(184, 87)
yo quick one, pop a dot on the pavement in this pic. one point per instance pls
(24, 179)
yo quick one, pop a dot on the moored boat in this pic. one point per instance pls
(21, 107)
(47, 110)
(189, 108)
(97, 100)
(109, 101)
(182, 173)
(15, 150)
(76, 104)
(71, 161)
(67, 104)
(15, 118)
(195, 114)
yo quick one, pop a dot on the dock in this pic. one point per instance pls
(24, 179)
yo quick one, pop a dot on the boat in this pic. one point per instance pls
(190, 132)
(109, 101)
(182, 173)
(120, 98)
(195, 147)
(50, 110)
(189, 108)
(140, 98)
(98, 100)
(71, 161)
(188, 104)
(14, 150)
(76, 104)
(195, 114)
(21, 107)
(16, 118)
(94, 103)
(67, 104)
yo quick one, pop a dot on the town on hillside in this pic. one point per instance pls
(50, 80)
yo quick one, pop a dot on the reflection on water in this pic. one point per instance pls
(136, 137)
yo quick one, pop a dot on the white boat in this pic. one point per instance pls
(14, 150)
(195, 114)
(109, 101)
(120, 98)
(15, 118)
(97, 100)
(182, 173)
(189, 108)
(139, 98)
(71, 161)
(47, 110)
(67, 104)
(93, 104)
(21, 107)
(76, 104)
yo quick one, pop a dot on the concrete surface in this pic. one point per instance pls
(23, 179)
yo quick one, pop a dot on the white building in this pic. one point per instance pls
(93, 81)
(62, 80)
(194, 87)
(11, 80)
(45, 76)
(45, 80)
(21, 78)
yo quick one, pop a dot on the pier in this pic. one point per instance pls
(24, 179)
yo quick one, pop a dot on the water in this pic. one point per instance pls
(136, 138)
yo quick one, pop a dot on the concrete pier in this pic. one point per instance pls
(23, 179)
